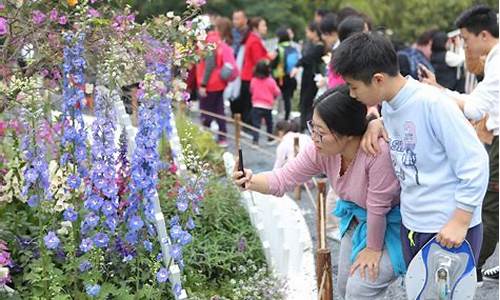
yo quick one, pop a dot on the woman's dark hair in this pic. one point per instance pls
(262, 69)
(282, 34)
(341, 113)
(314, 27)
(439, 40)
(254, 23)
(223, 26)
(351, 25)
(364, 54)
(479, 18)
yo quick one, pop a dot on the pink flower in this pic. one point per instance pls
(38, 17)
(94, 13)
(63, 20)
(4, 27)
(196, 3)
(53, 15)
(44, 72)
(2, 6)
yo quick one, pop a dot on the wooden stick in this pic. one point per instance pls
(237, 130)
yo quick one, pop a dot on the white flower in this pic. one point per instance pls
(4, 272)
(170, 14)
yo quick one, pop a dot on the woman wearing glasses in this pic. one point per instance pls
(370, 257)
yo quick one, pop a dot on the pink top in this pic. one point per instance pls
(369, 182)
(264, 91)
(334, 79)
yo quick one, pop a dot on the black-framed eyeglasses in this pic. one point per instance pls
(312, 131)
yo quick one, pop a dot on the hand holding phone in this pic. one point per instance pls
(422, 71)
(240, 164)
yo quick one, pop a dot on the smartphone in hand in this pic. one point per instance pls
(422, 71)
(240, 164)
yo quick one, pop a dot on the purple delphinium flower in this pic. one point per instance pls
(148, 246)
(86, 245)
(177, 288)
(73, 181)
(51, 240)
(135, 223)
(74, 138)
(185, 238)
(101, 240)
(85, 266)
(162, 275)
(70, 214)
(92, 289)
(36, 170)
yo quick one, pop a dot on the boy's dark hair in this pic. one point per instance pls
(364, 54)
(341, 113)
(426, 37)
(477, 19)
(321, 12)
(313, 26)
(328, 24)
(439, 41)
(351, 25)
(282, 34)
(262, 69)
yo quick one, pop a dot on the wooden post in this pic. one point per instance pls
(296, 151)
(323, 258)
(135, 106)
(324, 274)
(321, 215)
(237, 130)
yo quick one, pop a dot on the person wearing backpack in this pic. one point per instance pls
(213, 74)
(282, 66)
(420, 53)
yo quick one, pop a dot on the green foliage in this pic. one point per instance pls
(407, 19)
(224, 245)
(201, 142)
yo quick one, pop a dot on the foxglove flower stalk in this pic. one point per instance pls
(74, 134)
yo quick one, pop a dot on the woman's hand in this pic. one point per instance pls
(369, 142)
(240, 179)
(202, 91)
(370, 259)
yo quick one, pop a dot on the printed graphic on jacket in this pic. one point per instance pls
(403, 150)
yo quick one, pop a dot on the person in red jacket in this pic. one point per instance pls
(208, 76)
(254, 52)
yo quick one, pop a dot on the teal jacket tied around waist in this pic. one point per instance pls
(347, 210)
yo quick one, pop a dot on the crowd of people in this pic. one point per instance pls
(409, 149)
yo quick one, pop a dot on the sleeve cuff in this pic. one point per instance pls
(466, 207)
